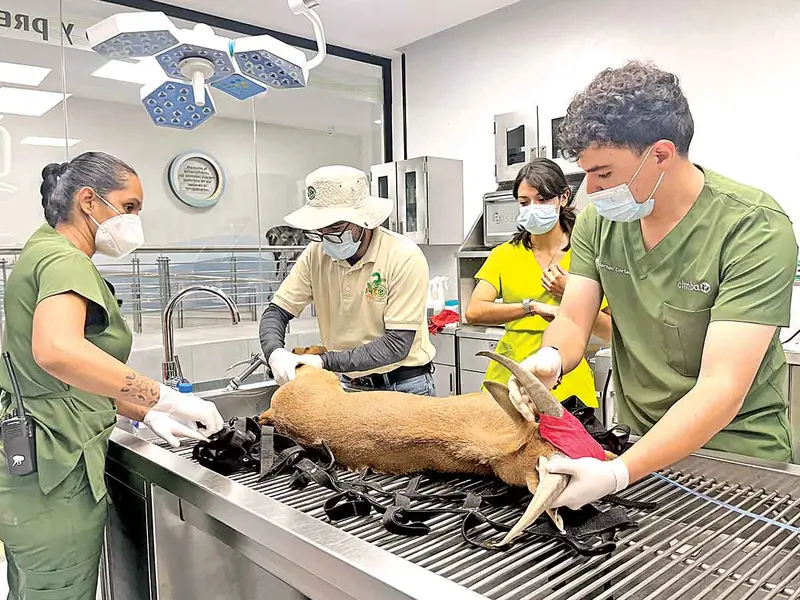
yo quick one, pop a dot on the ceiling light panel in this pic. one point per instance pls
(49, 141)
(29, 103)
(22, 74)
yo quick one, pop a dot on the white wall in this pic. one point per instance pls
(738, 63)
(285, 156)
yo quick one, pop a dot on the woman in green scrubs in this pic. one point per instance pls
(68, 342)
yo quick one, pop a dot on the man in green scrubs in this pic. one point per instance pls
(698, 272)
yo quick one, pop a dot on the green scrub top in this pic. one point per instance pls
(70, 423)
(731, 258)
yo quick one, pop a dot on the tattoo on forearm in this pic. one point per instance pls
(140, 389)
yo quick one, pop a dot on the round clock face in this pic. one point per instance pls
(196, 179)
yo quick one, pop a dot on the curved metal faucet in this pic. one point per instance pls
(170, 369)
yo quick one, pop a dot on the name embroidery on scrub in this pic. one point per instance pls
(612, 268)
(689, 286)
(376, 288)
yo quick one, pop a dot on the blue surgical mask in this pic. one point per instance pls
(618, 203)
(538, 219)
(343, 250)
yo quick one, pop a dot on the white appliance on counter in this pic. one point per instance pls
(429, 198)
(500, 213)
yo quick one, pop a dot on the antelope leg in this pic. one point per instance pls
(550, 487)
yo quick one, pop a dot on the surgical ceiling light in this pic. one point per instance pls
(195, 60)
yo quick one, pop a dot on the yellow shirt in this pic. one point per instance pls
(387, 289)
(514, 272)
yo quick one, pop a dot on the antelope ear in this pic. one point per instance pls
(500, 394)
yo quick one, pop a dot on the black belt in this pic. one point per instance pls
(390, 378)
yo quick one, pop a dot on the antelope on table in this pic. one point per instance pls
(398, 433)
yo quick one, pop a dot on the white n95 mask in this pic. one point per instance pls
(618, 203)
(538, 219)
(118, 236)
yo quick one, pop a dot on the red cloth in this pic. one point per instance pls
(437, 322)
(570, 436)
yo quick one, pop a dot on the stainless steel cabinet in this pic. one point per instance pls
(429, 198)
(444, 377)
(383, 184)
(516, 142)
(793, 393)
(127, 570)
(472, 368)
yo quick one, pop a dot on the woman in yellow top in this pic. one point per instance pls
(529, 274)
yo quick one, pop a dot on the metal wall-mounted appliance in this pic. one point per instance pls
(429, 198)
(516, 142)
(383, 184)
(549, 147)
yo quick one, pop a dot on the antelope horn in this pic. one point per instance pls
(549, 489)
(541, 397)
(500, 394)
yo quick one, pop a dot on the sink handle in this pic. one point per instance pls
(255, 357)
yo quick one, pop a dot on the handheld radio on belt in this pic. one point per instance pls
(18, 431)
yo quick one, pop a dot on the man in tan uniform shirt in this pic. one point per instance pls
(368, 285)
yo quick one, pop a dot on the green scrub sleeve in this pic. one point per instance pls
(758, 265)
(584, 245)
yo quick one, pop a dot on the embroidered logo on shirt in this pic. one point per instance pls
(611, 268)
(376, 289)
(689, 286)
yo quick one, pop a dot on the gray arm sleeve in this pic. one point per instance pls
(393, 347)
(272, 329)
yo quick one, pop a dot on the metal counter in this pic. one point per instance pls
(214, 536)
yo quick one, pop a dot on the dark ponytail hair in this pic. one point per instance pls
(547, 178)
(60, 182)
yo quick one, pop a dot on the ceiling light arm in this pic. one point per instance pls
(306, 8)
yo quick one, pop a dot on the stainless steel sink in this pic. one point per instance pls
(248, 401)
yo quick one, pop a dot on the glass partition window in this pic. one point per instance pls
(58, 99)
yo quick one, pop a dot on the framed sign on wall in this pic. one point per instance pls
(196, 179)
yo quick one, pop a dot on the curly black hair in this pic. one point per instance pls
(629, 107)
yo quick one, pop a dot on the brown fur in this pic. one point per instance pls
(399, 433)
(318, 350)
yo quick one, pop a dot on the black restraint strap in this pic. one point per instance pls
(589, 531)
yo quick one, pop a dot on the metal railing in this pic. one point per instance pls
(146, 280)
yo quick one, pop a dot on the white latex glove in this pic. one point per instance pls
(590, 480)
(188, 408)
(313, 360)
(283, 363)
(169, 429)
(544, 364)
